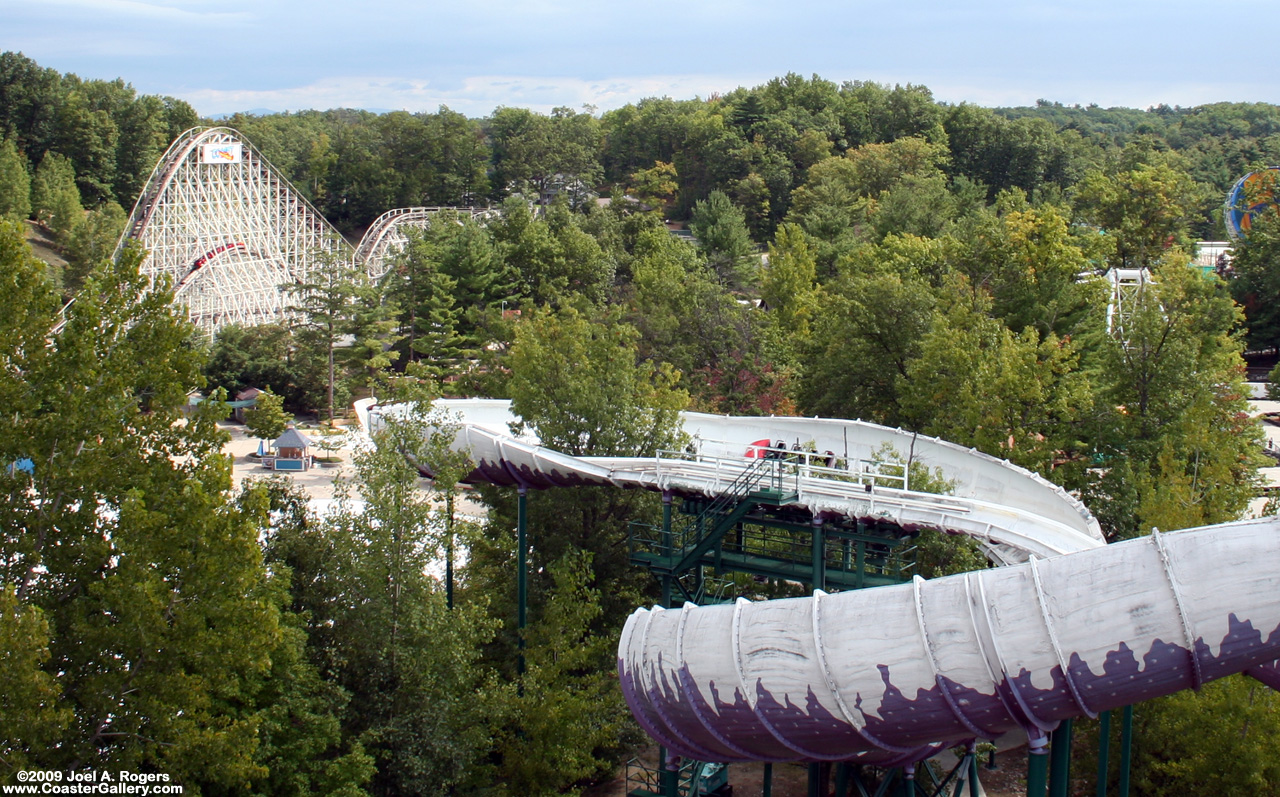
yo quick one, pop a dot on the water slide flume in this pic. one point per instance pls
(1013, 512)
(888, 675)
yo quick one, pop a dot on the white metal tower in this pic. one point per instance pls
(1126, 288)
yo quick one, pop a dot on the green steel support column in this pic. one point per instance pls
(908, 788)
(1104, 751)
(862, 563)
(670, 774)
(974, 788)
(1126, 749)
(1060, 763)
(766, 789)
(666, 522)
(815, 781)
(666, 546)
(1037, 768)
(522, 577)
(448, 553)
(819, 555)
(842, 779)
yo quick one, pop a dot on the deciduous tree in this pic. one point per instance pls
(163, 625)
(267, 419)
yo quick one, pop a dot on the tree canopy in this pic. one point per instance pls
(802, 246)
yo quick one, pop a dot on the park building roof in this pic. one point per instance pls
(292, 438)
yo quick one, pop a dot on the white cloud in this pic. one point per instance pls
(283, 54)
(116, 9)
(474, 96)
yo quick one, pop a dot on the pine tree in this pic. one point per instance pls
(721, 230)
(55, 199)
(326, 304)
(15, 183)
(429, 315)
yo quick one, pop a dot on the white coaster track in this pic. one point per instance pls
(386, 236)
(227, 230)
(230, 233)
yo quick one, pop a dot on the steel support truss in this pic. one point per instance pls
(1126, 286)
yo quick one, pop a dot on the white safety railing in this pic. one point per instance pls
(808, 463)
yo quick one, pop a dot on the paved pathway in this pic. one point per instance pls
(316, 482)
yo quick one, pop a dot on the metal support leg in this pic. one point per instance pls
(1060, 760)
(1126, 749)
(766, 789)
(1104, 751)
(671, 777)
(448, 552)
(522, 579)
(815, 781)
(1037, 767)
(666, 546)
(842, 779)
(974, 788)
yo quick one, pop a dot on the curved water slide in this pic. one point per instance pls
(892, 674)
(1013, 512)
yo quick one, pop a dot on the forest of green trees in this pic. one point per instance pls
(856, 251)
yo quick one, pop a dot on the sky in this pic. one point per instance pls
(281, 55)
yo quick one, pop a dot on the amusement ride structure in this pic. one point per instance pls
(875, 666)
(230, 234)
(1068, 627)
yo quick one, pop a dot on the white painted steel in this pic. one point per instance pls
(1014, 512)
(866, 674)
(1126, 286)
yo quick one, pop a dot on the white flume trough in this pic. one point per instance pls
(1069, 628)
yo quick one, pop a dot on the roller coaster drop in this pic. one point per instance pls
(229, 233)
